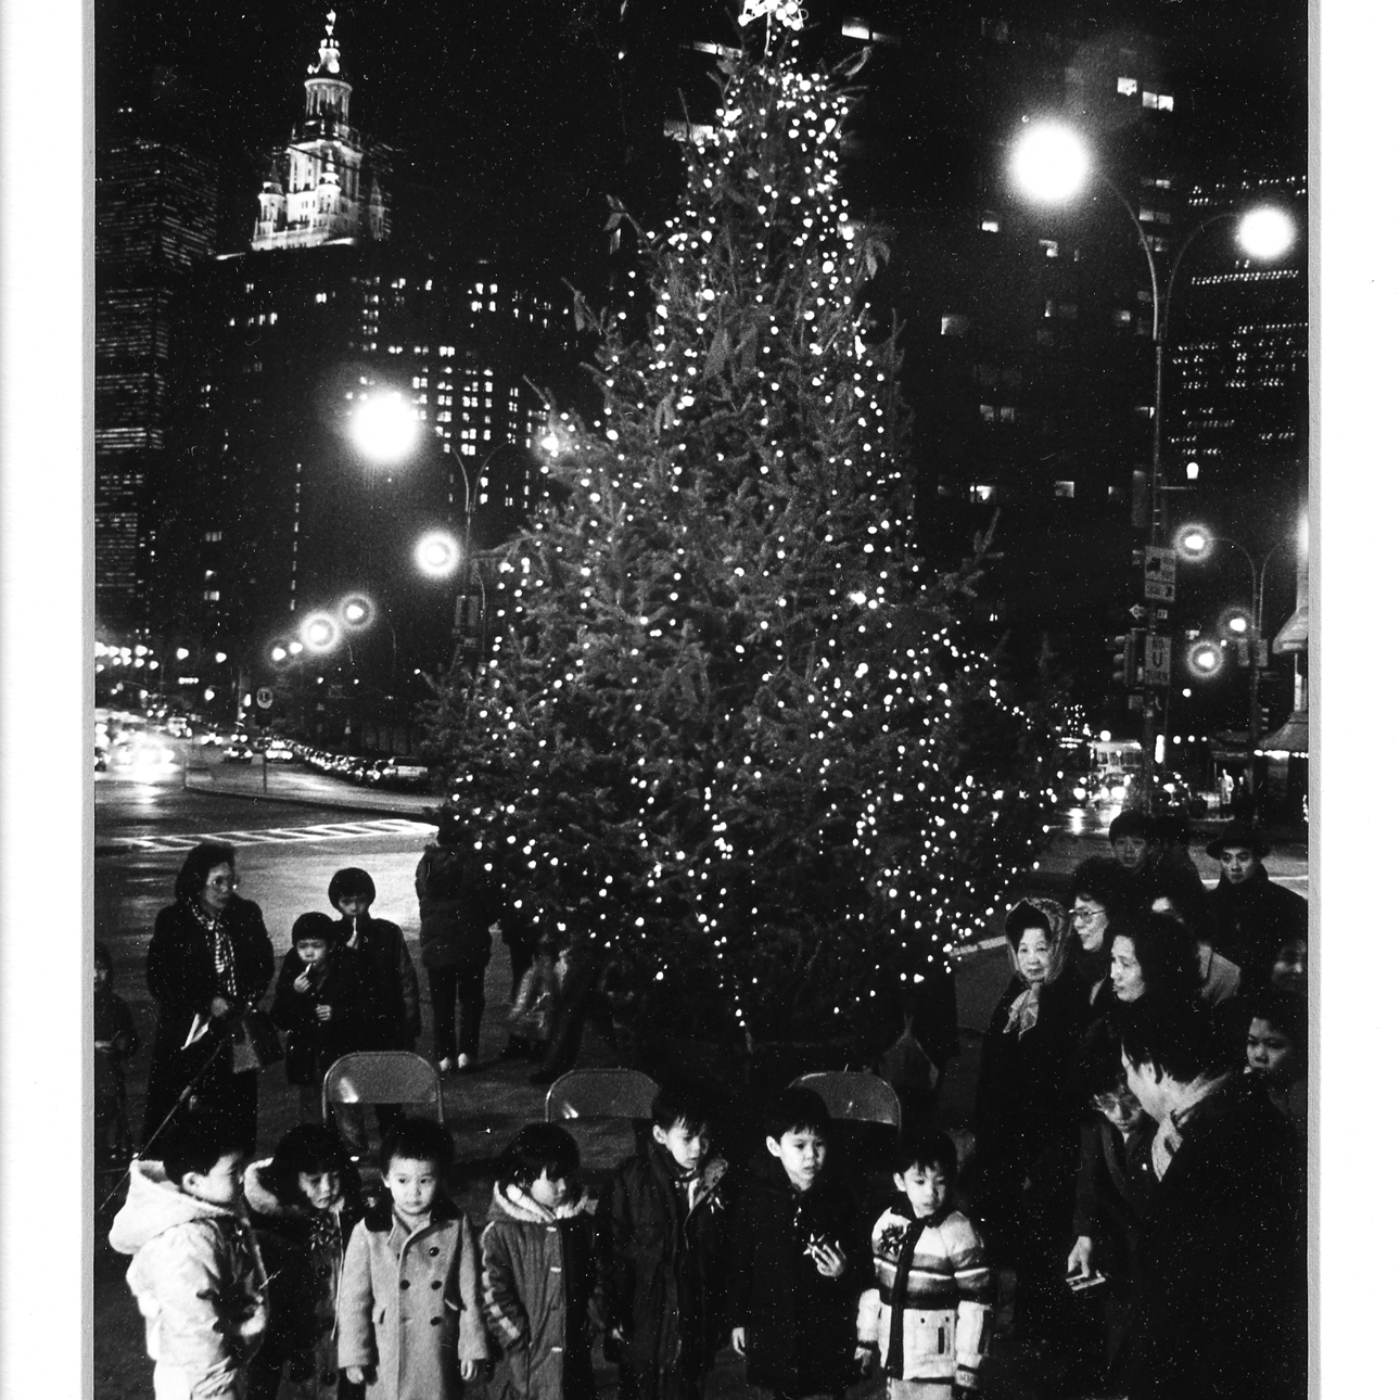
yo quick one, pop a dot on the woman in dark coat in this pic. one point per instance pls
(455, 942)
(209, 959)
(1027, 1112)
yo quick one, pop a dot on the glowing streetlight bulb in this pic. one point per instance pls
(1266, 232)
(1193, 542)
(437, 554)
(385, 428)
(357, 611)
(1204, 659)
(182, 653)
(1049, 162)
(220, 657)
(319, 632)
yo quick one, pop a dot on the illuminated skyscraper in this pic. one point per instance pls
(155, 208)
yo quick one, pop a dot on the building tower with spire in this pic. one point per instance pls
(324, 187)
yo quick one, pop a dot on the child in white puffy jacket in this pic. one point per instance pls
(197, 1275)
(930, 1313)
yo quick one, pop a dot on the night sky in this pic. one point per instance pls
(511, 121)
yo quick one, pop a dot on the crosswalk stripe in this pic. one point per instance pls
(273, 835)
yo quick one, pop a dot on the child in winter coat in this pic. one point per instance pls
(409, 1315)
(930, 1311)
(303, 1202)
(532, 1015)
(792, 1289)
(320, 1002)
(197, 1275)
(663, 1251)
(538, 1271)
(115, 1042)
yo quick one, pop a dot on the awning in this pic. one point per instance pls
(1291, 737)
(1293, 635)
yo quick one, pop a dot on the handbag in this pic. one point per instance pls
(256, 1041)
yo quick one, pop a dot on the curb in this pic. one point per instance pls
(340, 804)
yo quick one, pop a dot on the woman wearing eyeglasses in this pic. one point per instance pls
(209, 959)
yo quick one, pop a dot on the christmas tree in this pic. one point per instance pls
(728, 729)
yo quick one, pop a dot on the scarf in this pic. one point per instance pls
(221, 947)
(1025, 1011)
(894, 1359)
(1172, 1128)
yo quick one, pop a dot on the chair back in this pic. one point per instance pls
(849, 1094)
(600, 1093)
(382, 1076)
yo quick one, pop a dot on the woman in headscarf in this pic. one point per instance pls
(1027, 1112)
(209, 960)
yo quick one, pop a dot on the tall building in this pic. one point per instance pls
(273, 511)
(325, 186)
(155, 216)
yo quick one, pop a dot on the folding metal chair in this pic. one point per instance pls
(600, 1093)
(603, 1093)
(851, 1095)
(382, 1077)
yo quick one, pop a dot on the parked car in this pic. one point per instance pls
(238, 752)
(280, 751)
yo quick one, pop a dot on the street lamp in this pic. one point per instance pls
(437, 554)
(1050, 163)
(1196, 543)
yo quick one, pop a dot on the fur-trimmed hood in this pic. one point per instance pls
(510, 1202)
(263, 1200)
(155, 1204)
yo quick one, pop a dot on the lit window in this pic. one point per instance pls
(988, 412)
(982, 493)
(1122, 317)
(1049, 247)
(321, 297)
(1006, 413)
(1127, 86)
(1064, 490)
(991, 222)
(211, 595)
(1158, 101)
(954, 325)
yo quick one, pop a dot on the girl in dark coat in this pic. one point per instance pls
(302, 1204)
(209, 959)
(1027, 1112)
(455, 941)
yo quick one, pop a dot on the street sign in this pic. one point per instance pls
(264, 697)
(1157, 659)
(1159, 574)
(1137, 612)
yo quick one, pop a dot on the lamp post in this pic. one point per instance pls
(387, 429)
(1050, 163)
(1195, 544)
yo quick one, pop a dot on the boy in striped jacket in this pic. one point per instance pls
(930, 1312)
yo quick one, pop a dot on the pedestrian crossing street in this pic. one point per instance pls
(280, 835)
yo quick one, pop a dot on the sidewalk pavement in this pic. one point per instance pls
(291, 783)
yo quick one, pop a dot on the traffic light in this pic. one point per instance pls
(1127, 657)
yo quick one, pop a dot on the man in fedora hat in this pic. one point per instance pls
(1253, 916)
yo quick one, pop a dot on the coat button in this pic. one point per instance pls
(434, 1252)
(403, 1283)
(434, 1322)
(436, 1283)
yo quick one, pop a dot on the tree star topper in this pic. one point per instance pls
(787, 12)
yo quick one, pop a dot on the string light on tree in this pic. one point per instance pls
(730, 727)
